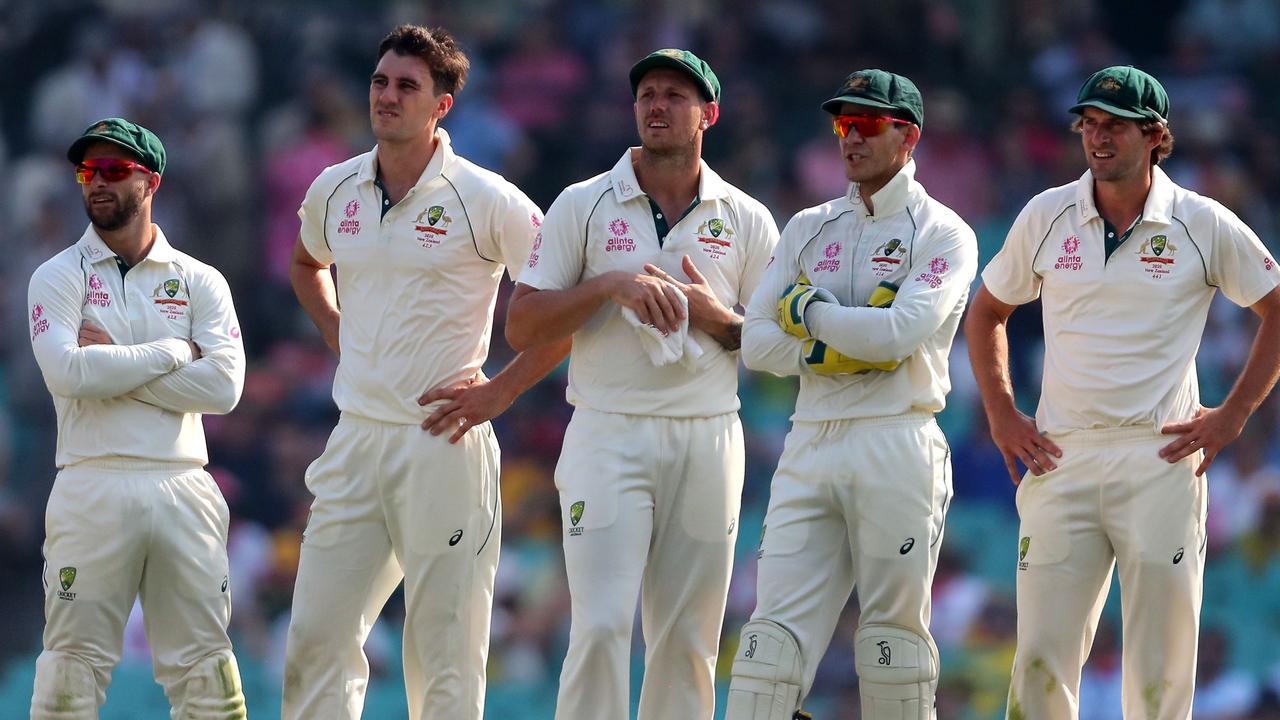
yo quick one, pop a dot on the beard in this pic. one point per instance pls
(117, 215)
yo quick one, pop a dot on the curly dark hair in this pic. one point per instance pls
(437, 48)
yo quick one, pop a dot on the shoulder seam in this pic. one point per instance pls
(324, 228)
(475, 242)
(1196, 245)
(1036, 255)
(586, 224)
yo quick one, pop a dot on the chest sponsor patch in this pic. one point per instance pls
(830, 261)
(715, 237)
(619, 240)
(1157, 256)
(1070, 259)
(97, 294)
(888, 257)
(349, 225)
(166, 300)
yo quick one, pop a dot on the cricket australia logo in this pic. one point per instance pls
(1070, 258)
(710, 235)
(1156, 256)
(66, 578)
(575, 517)
(886, 258)
(165, 299)
(830, 261)
(1108, 84)
(432, 226)
(1023, 546)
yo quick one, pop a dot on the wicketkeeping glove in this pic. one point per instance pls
(823, 360)
(794, 300)
(883, 295)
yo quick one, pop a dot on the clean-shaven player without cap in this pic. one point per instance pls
(650, 475)
(1125, 264)
(862, 301)
(420, 238)
(136, 340)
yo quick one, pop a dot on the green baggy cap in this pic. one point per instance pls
(130, 136)
(1126, 92)
(683, 60)
(880, 89)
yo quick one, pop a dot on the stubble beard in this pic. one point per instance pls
(120, 214)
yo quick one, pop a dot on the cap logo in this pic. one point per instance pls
(1108, 84)
(858, 83)
(672, 53)
(99, 127)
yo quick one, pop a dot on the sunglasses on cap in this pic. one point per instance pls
(112, 169)
(867, 125)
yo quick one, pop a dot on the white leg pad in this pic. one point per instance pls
(767, 674)
(211, 690)
(65, 689)
(897, 673)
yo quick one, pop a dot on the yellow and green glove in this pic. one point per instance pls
(795, 299)
(823, 360)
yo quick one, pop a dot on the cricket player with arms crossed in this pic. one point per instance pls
(862, 302)
(650, 475)
(420, 237)
(135, 340)
(1125, 264)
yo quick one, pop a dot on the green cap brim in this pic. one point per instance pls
(1107, 107)
(833, 105)
(75, 153)
(657, 61)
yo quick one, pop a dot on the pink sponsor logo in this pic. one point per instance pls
(1268, 263)
(937, 268)
(832, 254)
(39, 323)
(349, 227)
(619, 227)
(620, 244)
(352, 208)
(535, 221)
(235, 332)
(97, 296)
(1070, 258)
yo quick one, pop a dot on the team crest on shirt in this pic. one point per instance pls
(1157, 256)
(432, 226)
(1070, 259)
(619, 240)
(715, 237)
(1023, 546)
(575, 516)
(97, 294)
(166, 300)
(66, 578)
(830, 261)
(886, 258)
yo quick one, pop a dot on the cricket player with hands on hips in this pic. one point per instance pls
(1125, 263)
(136, 340)
(407, 487)
(642, 265)
(862, 301)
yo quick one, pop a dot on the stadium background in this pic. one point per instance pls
(253, 99)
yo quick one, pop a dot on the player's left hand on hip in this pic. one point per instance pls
(471, 402)
(1209, 431)
(793, 303)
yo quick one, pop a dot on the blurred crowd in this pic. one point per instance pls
(253, 99)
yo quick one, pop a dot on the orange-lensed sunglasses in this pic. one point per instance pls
(867, 125)
(112, 169)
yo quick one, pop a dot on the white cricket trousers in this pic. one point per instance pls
(1111, 498)
(116, 530)
(649, 508)
(858, 502)
(395, 502)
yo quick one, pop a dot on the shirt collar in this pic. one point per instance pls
(622, 178)
(1157, 209)
(441, 160)
(893, 197)
(94, 249)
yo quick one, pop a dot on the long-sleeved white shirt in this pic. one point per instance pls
(912, 241)
(142, 396)
(418, 285)
(1122, 332)
(606, 224)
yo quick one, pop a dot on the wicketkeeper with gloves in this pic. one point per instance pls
(862, 301)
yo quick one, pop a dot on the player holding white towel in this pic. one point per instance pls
(650, 476)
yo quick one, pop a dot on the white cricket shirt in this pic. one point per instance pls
(1121, 333)
(142, 396)
(606, 224)
(912, 241)
(417, 286)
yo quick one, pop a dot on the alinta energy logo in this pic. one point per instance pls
(619, 242)
(97, 294)
(830, 261)
(933, 277)
(350, 225)
(39, 323)
(1070, 258)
